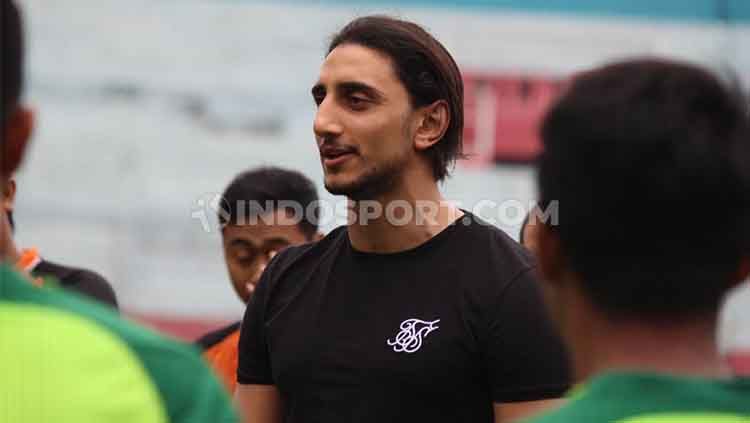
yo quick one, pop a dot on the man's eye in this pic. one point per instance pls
(244, 255)
(318, 96)
(357, 102)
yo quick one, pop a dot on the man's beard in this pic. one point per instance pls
(373, 183)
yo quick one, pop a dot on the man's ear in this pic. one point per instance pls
(550, 254)
(432, 124)
(17, 133)
(8, 195)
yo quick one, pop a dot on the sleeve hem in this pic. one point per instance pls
(244, 380)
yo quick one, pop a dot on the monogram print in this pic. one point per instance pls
(409, 338)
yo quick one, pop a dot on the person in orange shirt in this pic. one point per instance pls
(263, 211)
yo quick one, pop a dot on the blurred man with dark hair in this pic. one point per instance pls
(259, 221)
(82, 281)
(67, 359)
(264, 210)
(650, 162)
(402, 315)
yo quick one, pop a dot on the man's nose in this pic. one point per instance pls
(326, 124)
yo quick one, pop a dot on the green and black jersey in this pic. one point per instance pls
(656, 398)
(64, 359)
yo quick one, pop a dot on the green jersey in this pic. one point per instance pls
(67, 360)
(656, 398)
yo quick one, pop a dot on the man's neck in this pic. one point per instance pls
(8, 252)
(395, 228)
(687, 349)
(11, 254)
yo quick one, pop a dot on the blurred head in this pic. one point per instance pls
(649, 160)
(389, 97)
(16, 121)
(264, 211)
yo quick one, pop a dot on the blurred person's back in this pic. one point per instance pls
(64, 358)
(663, 149)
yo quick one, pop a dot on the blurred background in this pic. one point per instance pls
(147, 108)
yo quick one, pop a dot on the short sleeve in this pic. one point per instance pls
(254, 364)
(525, 356)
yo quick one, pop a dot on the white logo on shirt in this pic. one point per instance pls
(409, 339)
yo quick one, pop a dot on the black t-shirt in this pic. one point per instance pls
(435, 334)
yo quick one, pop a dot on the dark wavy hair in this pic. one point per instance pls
(424, 67)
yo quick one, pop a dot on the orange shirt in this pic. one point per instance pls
(223, 359)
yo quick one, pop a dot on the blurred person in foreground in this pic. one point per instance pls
(256, 224)
(415, 310)
(82, 281)
(650, 162)
(70, 360)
